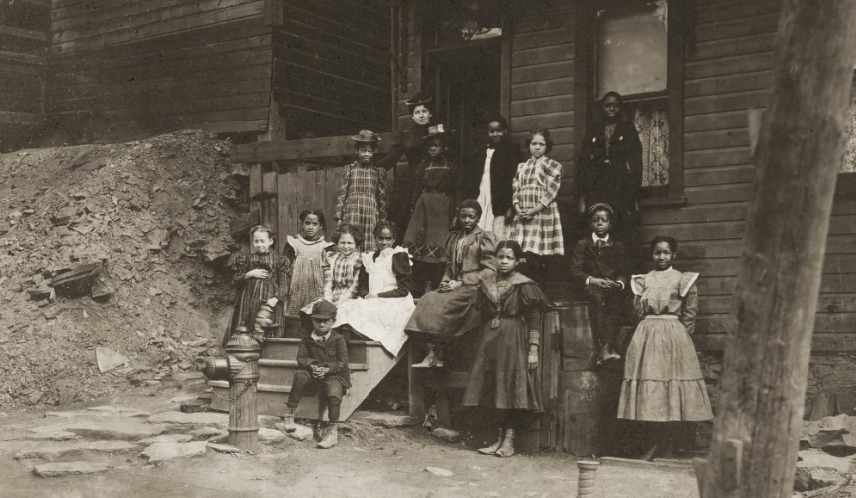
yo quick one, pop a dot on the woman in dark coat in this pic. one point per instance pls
(450, 311)
(489, 179)
(610, 163)
(408, 143)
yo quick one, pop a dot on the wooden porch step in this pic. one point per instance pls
(286, 349)
(281, 372)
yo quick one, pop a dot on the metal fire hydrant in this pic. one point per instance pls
(240, 366)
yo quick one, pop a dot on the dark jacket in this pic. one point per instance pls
(410, 144)
(610, 262)
(478, 260)
(614, 177)
(333, 354)
(503, 167)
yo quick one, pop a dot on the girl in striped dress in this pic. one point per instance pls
(537, 227)
(306, 254)
(363, 197)
(263, 278)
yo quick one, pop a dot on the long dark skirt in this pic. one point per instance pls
(445, 315)
(499, 377)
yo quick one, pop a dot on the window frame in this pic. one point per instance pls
(585, 98)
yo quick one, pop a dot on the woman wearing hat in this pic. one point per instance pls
(432, 211)
(410, 144)
(363, 197)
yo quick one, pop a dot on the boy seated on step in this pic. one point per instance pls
(599, 263)
(323, 369)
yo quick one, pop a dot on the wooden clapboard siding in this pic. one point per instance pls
(542, 80)
(140, 68)
(727, 73)
(332, 67)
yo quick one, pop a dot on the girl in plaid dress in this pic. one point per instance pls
(263, 278)
(306, 254)
(537, 227)
(363, 198)
(342, 271)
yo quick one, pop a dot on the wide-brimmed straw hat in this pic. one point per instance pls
(436, 131)
(366, 136)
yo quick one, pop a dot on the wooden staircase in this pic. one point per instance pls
(369, 364)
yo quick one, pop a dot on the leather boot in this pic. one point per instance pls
(317, 431)
(491, 450)
(507, 447)
(288, 424)
(331, 437)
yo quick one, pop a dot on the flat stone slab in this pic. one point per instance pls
(167, 438)
(125, 429)
(59, 469)
(817, 459)
(53, 451)
(51, 433)
(385, 419)
(223, 448)
(159, 452)
(300, 432)
(191, 420)
(205, 432)
(120, 411)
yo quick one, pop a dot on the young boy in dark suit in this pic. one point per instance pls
(323, 360)
(600, 264)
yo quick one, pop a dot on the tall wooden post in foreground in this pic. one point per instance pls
(760, 409)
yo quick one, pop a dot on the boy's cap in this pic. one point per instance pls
(366, 136)
(435, 131)
(420, 98)
(324, 309)
(601, 206)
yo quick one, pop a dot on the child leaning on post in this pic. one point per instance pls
(323, 362)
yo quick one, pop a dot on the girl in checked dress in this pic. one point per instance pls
(363, 197)
(537, 227)
(306, 254)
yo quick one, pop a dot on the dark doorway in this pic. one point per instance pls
(465, 81)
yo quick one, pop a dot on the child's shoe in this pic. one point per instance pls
(317, 431)
(331, 437)
(607, 354)
(288, 424)
(507, 448)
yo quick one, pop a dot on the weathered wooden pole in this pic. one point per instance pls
(756, 432)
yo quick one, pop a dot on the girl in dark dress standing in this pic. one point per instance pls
(433, 210)
(263, 277)
(410, 144)
(502, 374)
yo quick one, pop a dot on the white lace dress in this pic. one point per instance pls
(380, 319)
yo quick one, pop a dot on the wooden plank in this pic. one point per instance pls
(330, 48)
(823, 323)
(729, 65)
(820, 342)
(549, 18)
(733, 46)
(341, 27)
(716, 121)
(717, 194)
(731, 83)
(737, 27)
(542, 55)
(544, 88)
(695, 214)
(717, 139)
(723, 103)
(27, 34)
(837, 244)
(161, 28)
(354, 75)
(109, 11)
(540, 106)
(826, 303)
(724, 175)
(553, 70)
(546, 120)
(723, 157)
(21, 119)
(189, 107)
(545, 38)
(300, 149)
(708, 13)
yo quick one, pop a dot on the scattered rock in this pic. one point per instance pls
(446, 434)
(39, 293)
(118, 410)
(390, 420)
(159, 452)
(817, 459)
(300, 432)
(821, 478)
(223, 448)
(193, 407)
(54, 451)
(437, 471)
(205, 432)
(270, 436)
(167, 438)
(108, 359)
(59, 469)
(51, 433)
(837, 432)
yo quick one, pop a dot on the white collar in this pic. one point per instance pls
(595, 238)
(320, 338)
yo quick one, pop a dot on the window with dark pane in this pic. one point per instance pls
(632, 59)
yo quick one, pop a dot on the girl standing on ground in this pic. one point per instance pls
(263, 278)
(537, 227)
(306, 255)
(385, 287)
(433, 210)
(450, 311)
(502, 374)
(662, 378)
(363, 197)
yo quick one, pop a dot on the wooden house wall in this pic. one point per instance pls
(332, 64)
(727, 72)
(134, 68)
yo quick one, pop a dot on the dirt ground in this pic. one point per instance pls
(371, 461)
